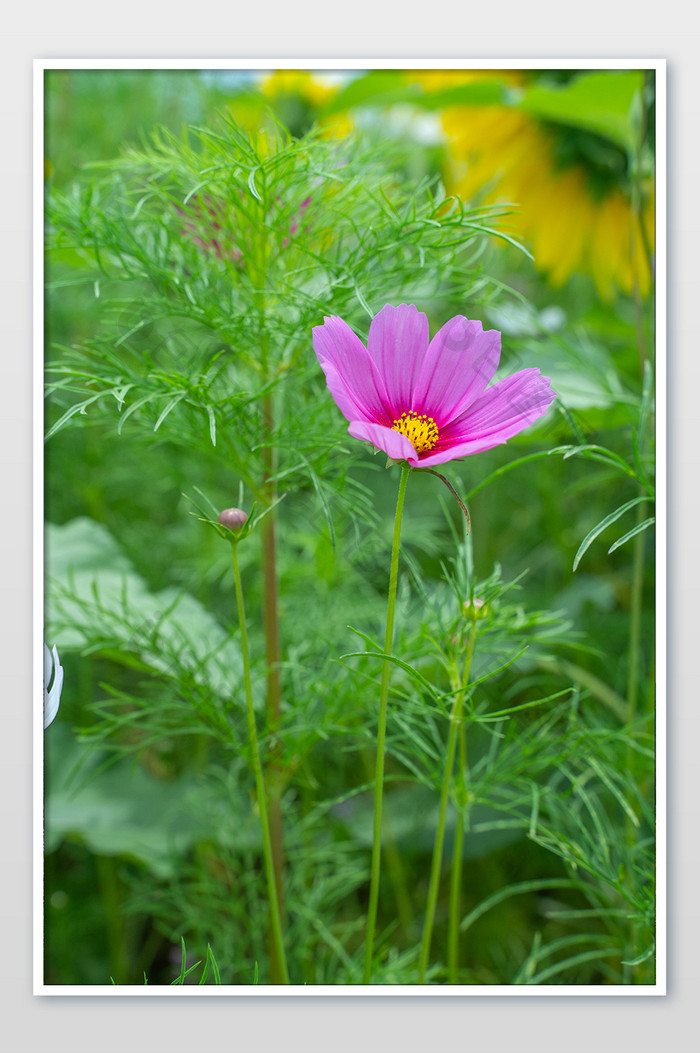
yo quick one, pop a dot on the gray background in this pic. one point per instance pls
(308, 29)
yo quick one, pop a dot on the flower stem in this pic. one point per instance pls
(272, 649)
(635, 657)
(454, 493)
(275, 921)
(273, 765)
(456, 875)
(381, 732)
(455, 721)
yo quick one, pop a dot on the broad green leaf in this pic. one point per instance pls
(487, 92)
(93, 592)
(370, 88)
(124, 811)
(411, 814)
(600, 102)
(381, 88)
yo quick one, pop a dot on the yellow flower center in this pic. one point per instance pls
(421, 431)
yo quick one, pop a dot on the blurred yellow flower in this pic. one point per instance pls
(303, 82)
(575, 216)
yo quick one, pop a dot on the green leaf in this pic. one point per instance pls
(251, 185)
(647, 397)
(520, 888)
(79, 407)
(382, 88)
(121, 811)
(94, 594)
(170, 406)
(631, 533)
(410, 815)
(523, 705)
(215, 967)
(135, 406)
(378, 88)
(372, 644)
(212, 425)
(363, 302)
(576, 959)
(486, 92)
(599, 102)
(601, 526)
(413, 673)
(322, 498)
(643, 956)
(181, 978)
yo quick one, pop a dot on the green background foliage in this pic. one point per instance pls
(186, 268)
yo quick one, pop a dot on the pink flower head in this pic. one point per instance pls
(426, 401)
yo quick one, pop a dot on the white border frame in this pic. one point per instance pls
(40, 67)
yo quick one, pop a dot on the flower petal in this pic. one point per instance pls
(352, 377)
(501, 412)
(398, 342)
(345, 400)
(392, 442)
(52, 697)
(460, 361)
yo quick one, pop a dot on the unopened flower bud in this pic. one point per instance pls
(233, 518)
(475, 609)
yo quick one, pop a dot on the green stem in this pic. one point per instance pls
(273, 764)
(114, 917)
(394, 867)
(272, 650)
(455, 721)
(456, 875)
(259, 781)
(381, 733)
(635, 619)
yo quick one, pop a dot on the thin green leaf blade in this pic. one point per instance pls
(631, 533)
(602, 525)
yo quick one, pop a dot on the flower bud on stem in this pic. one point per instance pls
(233, 519)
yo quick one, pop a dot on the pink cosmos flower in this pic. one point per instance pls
(426, 401)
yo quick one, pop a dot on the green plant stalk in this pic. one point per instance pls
(381, 734)
(268, 542)
(394, 867)
(455, 721)
(635, 619)
(456, 874)
(108, 882)
(272, 652)
(275, 918)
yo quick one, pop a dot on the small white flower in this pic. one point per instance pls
(52, 695)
